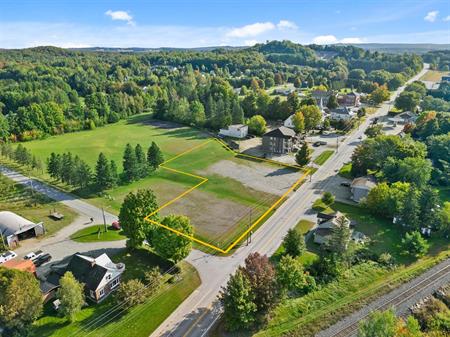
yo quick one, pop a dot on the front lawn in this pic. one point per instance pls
(308, 257)
(346, 170)
(323, 157)
(96, 233)
(139, 321)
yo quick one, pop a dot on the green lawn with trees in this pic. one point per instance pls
(139, 320)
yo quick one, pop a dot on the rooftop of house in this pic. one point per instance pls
(281, 132)
(367, 182)
(342, 110)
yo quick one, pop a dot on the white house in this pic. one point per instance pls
(235, 131)
(342, 113)
(289, 123)
(360, 187)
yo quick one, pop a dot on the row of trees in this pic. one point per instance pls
(69, 169)
(137, 164)
(21, 155)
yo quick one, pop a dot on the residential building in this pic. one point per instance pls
(349, 99)
(360, 187)
(235, 131)
(327, 222)
(14, 228)
(279, 141)
(321, 95)
(289, 122)
(342, 113)
(99, 275)
(284, 91)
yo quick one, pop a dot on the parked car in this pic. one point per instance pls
(33, 255)
(319, 143)
(345, 184)
(6, 256)
(42, 260)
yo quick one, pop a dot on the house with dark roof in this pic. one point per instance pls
(279, 141)
(99, 275)
(349, 99)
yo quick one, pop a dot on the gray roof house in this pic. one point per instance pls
(326, 223)
(15, 228)
(279, 141)
(99, 275)
(342, 113)
(360, 187)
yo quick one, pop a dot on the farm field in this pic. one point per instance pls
(237, 192)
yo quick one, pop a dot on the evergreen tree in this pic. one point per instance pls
(294, 243)
(340, 236)
(154, 156)
(67, 168)
(130, 165)
(54, 166)
(82, 175)
(141, 161)
(303, 156)
(102, 172)
(114, 175)
(237, 114)
(429, 207)
(332, 102)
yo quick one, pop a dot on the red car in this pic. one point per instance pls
(116, 225)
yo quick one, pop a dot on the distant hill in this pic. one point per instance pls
(395, 48)
(167, 49)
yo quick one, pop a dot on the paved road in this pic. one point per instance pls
(401, 299)
(198, 313)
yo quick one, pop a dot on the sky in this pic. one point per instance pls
(201, 23)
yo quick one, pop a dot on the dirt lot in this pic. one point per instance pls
(266, 178)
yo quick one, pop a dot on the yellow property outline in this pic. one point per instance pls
(204, 180)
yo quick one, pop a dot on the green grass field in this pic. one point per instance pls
(345, 171)
(96, 233)
(433, 75)
(139, 321)
(323, 157)
(226, 199)
(36, 207)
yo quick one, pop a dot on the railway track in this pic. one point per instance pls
(351, 328)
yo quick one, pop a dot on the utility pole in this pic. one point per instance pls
(337, 142)
(249, 235)
(104, 219)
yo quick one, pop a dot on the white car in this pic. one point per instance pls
(33, 255)
(6, 256)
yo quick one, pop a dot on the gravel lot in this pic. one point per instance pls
(261, 177)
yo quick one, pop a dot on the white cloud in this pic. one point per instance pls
(286, 24)
(253, 29)
(351, 40)
(447, 18)
(330, 39)
(431, 16)
(121, 16)
(250, 43)
(325, 39)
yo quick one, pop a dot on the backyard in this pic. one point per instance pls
(237, 191)
(98, 320)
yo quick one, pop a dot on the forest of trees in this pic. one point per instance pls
(48, 90)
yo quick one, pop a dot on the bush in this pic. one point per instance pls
(328, 198)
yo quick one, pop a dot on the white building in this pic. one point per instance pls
(289, 123)
(14, 228)
(342, 113)
(235, 131)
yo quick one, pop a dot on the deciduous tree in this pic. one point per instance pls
(71, 295)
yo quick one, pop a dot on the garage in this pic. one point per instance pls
(14, 228)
